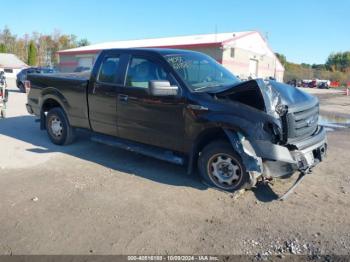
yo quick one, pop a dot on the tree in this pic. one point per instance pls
(305, 65)
(83, 42)
(346, 62)
(282, 58)
(32, 53)
(2, 48)
(44, 46)
(21, 49)
(318, 66)
(339, 61)
(8, 40)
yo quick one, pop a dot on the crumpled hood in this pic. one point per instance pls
(273, 93)
(291, 95)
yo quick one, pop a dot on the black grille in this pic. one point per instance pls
(302, 123)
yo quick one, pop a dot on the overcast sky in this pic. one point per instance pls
(303, 30)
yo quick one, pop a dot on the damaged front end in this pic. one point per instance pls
(285, 137)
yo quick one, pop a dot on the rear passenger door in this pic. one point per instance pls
(102, 95)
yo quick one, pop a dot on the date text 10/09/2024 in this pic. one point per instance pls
(172, 258)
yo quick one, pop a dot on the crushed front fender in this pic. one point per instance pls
(252, 163)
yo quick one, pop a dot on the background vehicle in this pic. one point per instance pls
(312, 84)
(81, 69)
(323, 85)
(22, 75)
(292, 82)
(3, 95)
(185, 108)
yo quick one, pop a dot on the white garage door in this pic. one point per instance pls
(85, 62)
(253, 68)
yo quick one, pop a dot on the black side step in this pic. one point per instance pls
(150, 151)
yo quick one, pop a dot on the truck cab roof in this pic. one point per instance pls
(160, 51)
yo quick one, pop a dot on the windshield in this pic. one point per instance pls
(200, 72)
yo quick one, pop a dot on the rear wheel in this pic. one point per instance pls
(58, 128)
(220, 166)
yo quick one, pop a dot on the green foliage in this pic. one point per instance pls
(339, 61)
(46, 46)
(304, 65)
(319, 67)
(2, 48)
(337, 68)
(296, 71)
(32, 53)
(83, 42)
(282, 59)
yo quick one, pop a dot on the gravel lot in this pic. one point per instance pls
(89, 198)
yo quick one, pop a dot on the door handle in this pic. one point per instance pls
(123, 98)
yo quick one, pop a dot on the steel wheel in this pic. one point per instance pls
(224, 170)
(56, 126)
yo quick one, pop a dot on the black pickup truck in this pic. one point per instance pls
(184, 107)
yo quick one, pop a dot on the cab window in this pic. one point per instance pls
(142, 70)
(108, 70)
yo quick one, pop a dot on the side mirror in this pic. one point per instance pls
(162, 88)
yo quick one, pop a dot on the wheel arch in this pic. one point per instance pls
(49, 102)
(202, 139)
(232, 136)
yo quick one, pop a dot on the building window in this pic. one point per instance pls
(8, 70)
(232, 52)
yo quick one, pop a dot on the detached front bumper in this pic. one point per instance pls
(310, 156)
(279, 161)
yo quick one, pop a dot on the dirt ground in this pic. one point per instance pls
(333, 102)
(88, 198)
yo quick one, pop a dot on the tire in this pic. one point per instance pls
(220, 166)
(58, 128)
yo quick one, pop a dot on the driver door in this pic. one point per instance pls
(152, 120)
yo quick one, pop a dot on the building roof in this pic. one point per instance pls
(170, 42)
(11, 61)
(249, 40)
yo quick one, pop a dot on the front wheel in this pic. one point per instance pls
(220, 166)
(58, 128)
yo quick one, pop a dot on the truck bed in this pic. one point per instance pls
(71, 88)
(69, 76)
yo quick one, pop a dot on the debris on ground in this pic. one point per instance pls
(235, 195)
(280, 248)
(35, 199)
(342, 189)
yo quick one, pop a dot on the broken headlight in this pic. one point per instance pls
(274, 130)
(281, 109)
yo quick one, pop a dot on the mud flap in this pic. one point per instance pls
(253, 164)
